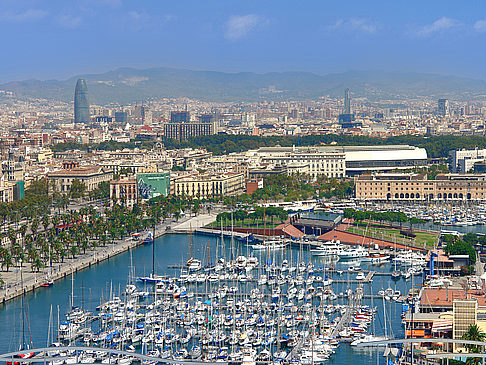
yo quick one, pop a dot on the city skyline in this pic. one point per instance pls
(68, 39)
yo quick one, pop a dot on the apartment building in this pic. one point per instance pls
(124, 191)
(205, 185)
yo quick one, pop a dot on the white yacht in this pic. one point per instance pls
(377, 258)
(329, 248)
(270, 245)
(353, 253)
(410, 258)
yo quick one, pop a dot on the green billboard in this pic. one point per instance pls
(152, 185)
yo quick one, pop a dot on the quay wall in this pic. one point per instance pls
(34, 281)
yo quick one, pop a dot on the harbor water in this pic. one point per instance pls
(100, 282)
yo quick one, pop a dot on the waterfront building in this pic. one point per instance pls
(205, 185)
(341, 161)
(124, 191)
(81, 102)
(416, 187)
(152, 185)
(441, 299)
(91, 176)
(360, 159)
(309, 160)
(445, 264)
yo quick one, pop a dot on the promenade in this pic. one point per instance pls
(34, 280)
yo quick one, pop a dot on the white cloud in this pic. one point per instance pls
(169, 18)
(480, 26)
(135, 15)
(69, 21)
(437, 27)
(355, 25)
(239, 26)
(24, 16)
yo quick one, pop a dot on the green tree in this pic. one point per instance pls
(474, 333)
(459, 247)
(77, 189)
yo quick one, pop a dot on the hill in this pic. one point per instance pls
(126, 85)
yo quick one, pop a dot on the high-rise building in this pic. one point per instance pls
(81, 103)
(121, 117)
(141, 115)
(347, 102)
(181, 127)
(346, 119)
(443, 107)
(180, 117)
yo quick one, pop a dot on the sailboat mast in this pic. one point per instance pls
(153, 252)
(72, 286)
(22, 306)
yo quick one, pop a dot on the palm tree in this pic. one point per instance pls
(37, 264)
(474, 333)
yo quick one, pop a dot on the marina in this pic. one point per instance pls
(324, 300)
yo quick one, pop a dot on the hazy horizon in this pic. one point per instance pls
(59, 38)
(344, 72)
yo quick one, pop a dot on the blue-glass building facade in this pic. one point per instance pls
(81, 103)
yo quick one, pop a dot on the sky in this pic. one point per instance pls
(61, 38)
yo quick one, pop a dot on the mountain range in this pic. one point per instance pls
(128, 85)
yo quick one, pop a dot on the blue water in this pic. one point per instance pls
(91, 285)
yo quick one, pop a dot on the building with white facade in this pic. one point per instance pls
(463, 161)
(341, 161)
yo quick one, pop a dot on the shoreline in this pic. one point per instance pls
(33, 281)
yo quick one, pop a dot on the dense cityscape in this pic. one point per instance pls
(317, 196)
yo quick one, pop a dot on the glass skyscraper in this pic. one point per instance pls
(81, 103)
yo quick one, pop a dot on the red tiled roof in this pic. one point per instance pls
(78, 171)
(442, 297)
(290, 230)
(441, 256)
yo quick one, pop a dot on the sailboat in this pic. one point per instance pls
(192, 263)
(395, 274)
(372, 337)
(49, 281)
(268, 244)
(23, 345)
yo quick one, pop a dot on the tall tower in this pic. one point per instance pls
(81, 103)
(443, 107)
(347, 102)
